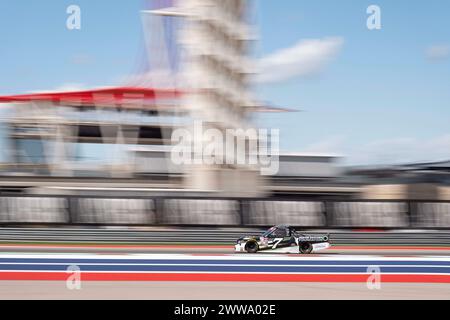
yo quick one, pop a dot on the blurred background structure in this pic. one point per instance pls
(198, 70)
(102, 156)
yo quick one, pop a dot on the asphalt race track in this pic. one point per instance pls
(221, 249)
(51, 290)
(50, 275)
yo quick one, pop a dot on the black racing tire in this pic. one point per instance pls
(252, 247)
(306, 248)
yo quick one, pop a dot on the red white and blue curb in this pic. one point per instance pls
(227, 268)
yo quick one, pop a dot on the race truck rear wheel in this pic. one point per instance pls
(306, 248)
(251, 247)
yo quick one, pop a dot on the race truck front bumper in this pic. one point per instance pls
(239, 247)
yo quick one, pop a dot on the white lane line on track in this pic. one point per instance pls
(222, 265)
(218, 258)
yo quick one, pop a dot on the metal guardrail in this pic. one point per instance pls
(207, 236)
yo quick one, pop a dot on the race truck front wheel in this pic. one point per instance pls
(306, 248)
(251, 247)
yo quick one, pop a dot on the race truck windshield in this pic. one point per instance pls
(269, 232)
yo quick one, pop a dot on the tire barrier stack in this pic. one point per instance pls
(96, 211)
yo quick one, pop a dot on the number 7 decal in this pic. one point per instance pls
(277, 242)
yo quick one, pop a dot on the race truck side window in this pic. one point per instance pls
(280, 233)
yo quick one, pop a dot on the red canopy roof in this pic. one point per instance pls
(133, 97)
(111, 96)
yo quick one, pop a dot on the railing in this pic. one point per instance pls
(207, 236)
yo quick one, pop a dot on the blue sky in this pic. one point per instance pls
(376, 97)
